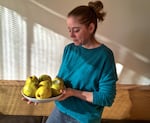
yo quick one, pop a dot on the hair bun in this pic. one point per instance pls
(97, 6)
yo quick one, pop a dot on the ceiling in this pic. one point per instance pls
(126, 30)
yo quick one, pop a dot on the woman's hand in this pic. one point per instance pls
(67, 92)
(28, 102)
(84, 95)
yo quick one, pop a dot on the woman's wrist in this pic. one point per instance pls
(87, 96)
(71, 91)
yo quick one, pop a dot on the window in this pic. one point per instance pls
(23, 53)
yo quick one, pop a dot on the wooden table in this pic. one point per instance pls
(131, 102)
(11, 103)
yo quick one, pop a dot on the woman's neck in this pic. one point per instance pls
(93, 43)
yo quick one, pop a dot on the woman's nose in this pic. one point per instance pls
(72, 34)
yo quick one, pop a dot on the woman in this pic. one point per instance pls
(88, 70)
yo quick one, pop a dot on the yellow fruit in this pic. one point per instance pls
(32, 80)
(45, 83)
(43, 92)
(30, 86)
(44, 77)
(57, 86)
(29, 90)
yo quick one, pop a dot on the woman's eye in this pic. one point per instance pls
(76, 30)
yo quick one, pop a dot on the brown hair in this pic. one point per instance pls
(92, 13)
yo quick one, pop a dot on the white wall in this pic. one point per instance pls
(125, 30)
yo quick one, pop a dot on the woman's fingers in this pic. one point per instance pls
(28, 102)
(24, 99)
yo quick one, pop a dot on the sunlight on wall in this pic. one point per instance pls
(46, 51)
(13, 45)
(21, 56)
(119, 68)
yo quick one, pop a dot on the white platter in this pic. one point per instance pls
(41, 100)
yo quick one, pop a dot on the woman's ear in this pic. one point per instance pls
(91, 28)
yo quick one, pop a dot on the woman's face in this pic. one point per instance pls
(79, 33)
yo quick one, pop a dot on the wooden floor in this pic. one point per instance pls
(42, 119)
(125, 121)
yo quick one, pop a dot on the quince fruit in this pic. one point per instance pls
(44, 77)
(46, 83)
(29, 90)
(30, 87)
(32, 80)
(57, 86)
(44, 90)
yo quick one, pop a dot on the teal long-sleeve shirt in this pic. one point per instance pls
(90, 70)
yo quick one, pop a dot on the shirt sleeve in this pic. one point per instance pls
(107, 84)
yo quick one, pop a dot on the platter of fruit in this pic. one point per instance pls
(42, 89)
